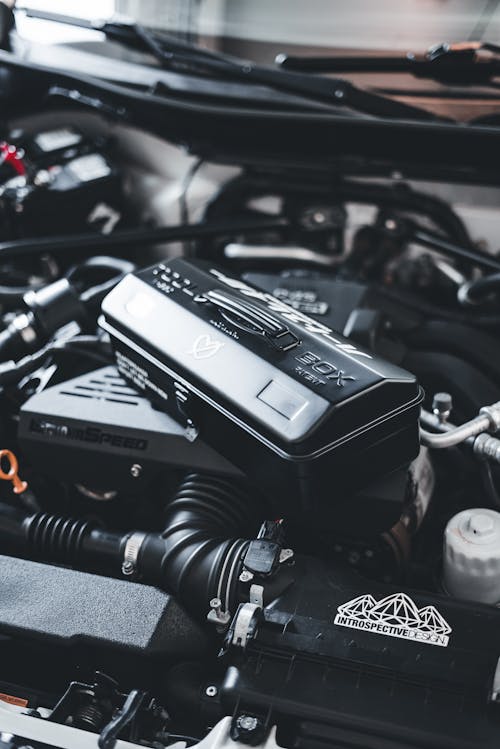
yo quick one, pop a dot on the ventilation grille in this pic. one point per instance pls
(105, 384)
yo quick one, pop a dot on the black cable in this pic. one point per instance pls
(14, 294)
(7, 23)
(74, 243)
(98, 265)
(12, 372)
(109, 734)
(440, 244)
(407, 299)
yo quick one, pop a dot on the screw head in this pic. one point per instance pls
(136, 470)
(211, 691)
(128, 568)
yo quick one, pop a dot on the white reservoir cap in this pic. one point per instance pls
(471, 556)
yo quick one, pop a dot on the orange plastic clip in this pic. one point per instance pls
(18, 485)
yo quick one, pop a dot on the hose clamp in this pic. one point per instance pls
(131, 553)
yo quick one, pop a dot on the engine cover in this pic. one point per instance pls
(300, 409)
(114, 429)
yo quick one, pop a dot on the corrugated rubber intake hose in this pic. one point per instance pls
(197, 557)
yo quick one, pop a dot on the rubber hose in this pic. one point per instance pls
(197, 557)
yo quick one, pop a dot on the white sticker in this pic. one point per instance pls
(90, 167)
(53, 140)
(395, 616)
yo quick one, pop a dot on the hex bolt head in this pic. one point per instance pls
(248, 729)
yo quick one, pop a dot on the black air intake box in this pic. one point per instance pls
(304, 412)
(341, 661)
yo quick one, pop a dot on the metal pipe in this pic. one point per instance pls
(453, 435)
(483, 444)
(240, 251)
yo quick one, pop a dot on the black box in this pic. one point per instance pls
(304, 412)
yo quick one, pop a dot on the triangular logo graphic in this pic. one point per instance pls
(358, 606)
(397, 609)
(432, 621)
(396, 615)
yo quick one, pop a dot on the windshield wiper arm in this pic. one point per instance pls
(455, 64)
(183, 57)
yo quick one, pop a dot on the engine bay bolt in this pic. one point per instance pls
(216, 615)
(211, 691)
(128, 568)
(442, 405)
(246, 576)
(247, 723)
(248, 729)
(136, 470)
(319, 217)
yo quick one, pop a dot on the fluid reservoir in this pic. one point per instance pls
(471, 556)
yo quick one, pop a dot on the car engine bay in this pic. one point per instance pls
(250, 469)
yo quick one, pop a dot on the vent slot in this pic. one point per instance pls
(76, 395)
